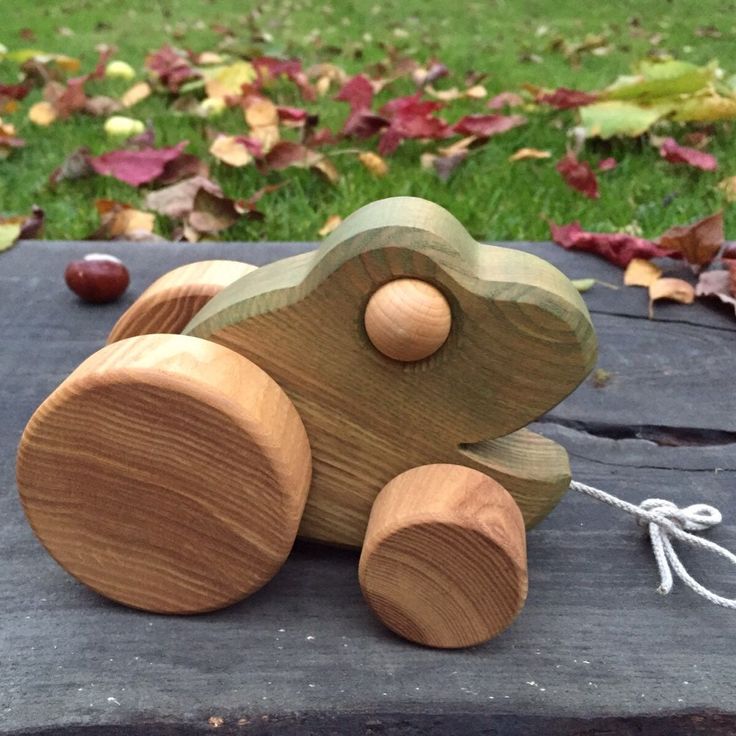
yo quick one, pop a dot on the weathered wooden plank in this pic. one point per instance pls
(595, 650)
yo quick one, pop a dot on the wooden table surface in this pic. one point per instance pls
(595, 651)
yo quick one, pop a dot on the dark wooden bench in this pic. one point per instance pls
(596, 650)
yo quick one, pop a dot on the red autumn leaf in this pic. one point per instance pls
(578, 175)
(607, 164)
(14, 91)
(104, 53)
(288, 153)
(171, 68)
(565, 98)
(136, 167)
(322, 137)
(364, 124)
(672, 151)
(357, 92)
(504, 100)
(618, 248)
(410, 117)
(269, 67)
(292, 114)
(485, 126)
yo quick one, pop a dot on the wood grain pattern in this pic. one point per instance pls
(167, 473)
(168, 304)
(407, 319)
(444, 557)
(521, 340)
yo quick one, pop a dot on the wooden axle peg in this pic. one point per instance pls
(172, 300)
(408, 319)
(444, 558)
(167, 473)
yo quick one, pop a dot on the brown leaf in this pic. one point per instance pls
(119, 221)
(212, 213)
(328, 169)
(524, 153)
(699, 242)
(331, 223)
(374, 163)
(641, 272)
(177, 200)
(137, 93)
(101, 106)
(74, 166)
(669, 288)
(718, 284)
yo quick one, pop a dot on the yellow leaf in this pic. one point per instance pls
(231, 151)
(206, 58)
(119, 70)
(728, 187)
(668, 288)
(641, 272)
(42, 113)
(524, 153)
(331, 224)
(374, 163)
(119, 126)
(476, 92)
(227, 81)
(136, 94)
(9, 233)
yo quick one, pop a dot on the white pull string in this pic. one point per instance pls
(666, 521)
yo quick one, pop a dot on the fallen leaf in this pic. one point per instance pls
(583, 285)
(718, 284)
(9, 234)
(263, 118)
(698, 242)
(294, 117)
(641, 272)
(118, 69)
(705, 107)
(524, 153)
(613, 118)
(669, 288)
(601, 378)
(119, 221)
(288, 153)
(607, 164)
(728, 187)
(75, 166)
(136, 167)
(8, 139)
(410, 117)
(42, 113)
(661, 78)
(184, 166)
(67, 99)
(328, 170)
(671, 151)
(228, 81)
(212, 213)
(269, 69)
(618, 248)
(374, 163)
(331, 223)
(422, 76)
(101, 106)
(578, 175)
(137, 93)
(232, 150)
(444, 166)
(566, 99)
(504, 100)
(485, 126)
(171, 68)
(177, 201)
(119, 126)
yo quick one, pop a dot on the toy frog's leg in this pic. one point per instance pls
(444, 558)
(534, 469)
(168, 304)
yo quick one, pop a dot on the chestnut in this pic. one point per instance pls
(97, 278)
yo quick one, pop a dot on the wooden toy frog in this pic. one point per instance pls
(372, 393)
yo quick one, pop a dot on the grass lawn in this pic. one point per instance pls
(512, 41)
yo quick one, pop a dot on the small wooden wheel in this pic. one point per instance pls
(444, 557)
(167, 473)
(172, 300)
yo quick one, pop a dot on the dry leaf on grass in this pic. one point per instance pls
(728, 187)
(232, 150)
(525, 153)
(137, 93)
(641, 272)
(42, 113)
(698, 242)
(374, 163)
(119, 221)
(669, 288)
(177, 200)
(331, 223)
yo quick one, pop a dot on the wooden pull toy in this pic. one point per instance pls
(398, 364)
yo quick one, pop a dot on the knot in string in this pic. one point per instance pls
(666, 521)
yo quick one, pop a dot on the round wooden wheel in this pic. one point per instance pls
(167, 473)
(171, 301)
(444, 557)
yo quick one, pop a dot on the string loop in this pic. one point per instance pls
(667, 521)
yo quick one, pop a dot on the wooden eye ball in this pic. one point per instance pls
(408, 319)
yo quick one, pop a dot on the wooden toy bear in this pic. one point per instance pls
(372, 393)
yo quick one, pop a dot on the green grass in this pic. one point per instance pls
(494, 198)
